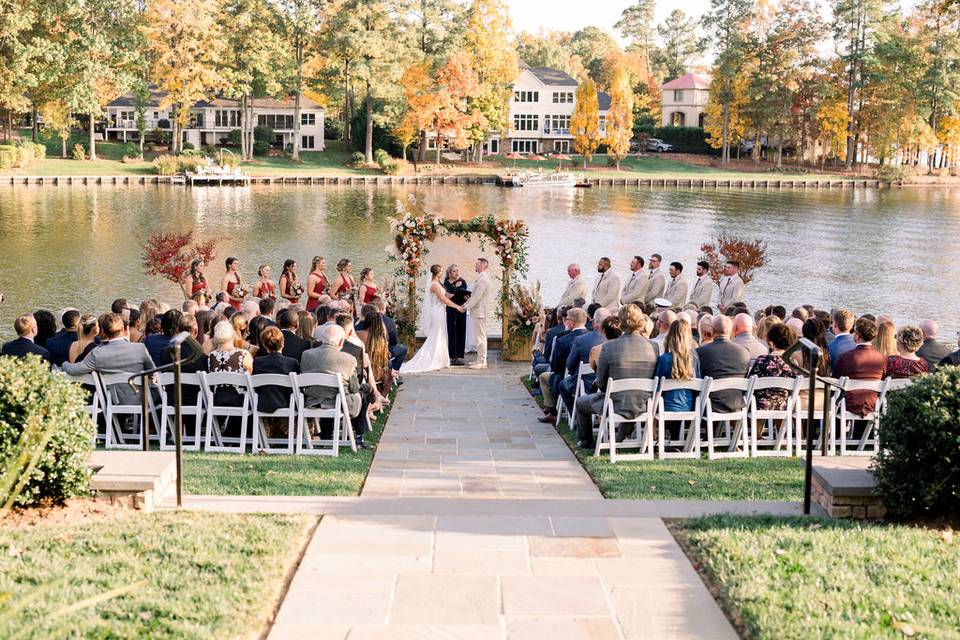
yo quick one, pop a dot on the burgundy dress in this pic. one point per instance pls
(230, 287)
(900, 367)
(313, 303)
(267, 290)
(369, 293)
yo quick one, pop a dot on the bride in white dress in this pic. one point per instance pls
(433, 354)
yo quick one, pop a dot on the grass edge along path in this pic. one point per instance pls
(802, 577)
(263, 474)
(771, 479)
(186, 574)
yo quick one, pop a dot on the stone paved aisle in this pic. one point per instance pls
(469, 438)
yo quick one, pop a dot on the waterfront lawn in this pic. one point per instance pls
(812, 578)
(147, 575)
(778, 479)
(283, 475)
(332, 161)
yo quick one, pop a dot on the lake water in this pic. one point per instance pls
(880, 251)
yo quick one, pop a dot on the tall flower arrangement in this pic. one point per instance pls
(413, 232)
(526, 307)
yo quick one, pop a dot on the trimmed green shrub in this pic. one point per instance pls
(190, 163)
(79, 152)
(356, 159)
(131, 150)
(187, 146)
(893, 173)
(391, 168)
(918, 467)
(380, 157)
(261, 148)
(166, 165)
(8, 156)
(32, 396)
(263, 134)
(234, 138)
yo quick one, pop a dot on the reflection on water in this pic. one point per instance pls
(873, 251)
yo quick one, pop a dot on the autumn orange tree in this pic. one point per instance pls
(750, 254)
(169, 255)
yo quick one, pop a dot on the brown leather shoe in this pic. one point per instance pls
(548, 419)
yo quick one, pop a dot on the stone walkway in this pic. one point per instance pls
(478, 522)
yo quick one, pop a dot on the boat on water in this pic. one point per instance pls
(538, 179)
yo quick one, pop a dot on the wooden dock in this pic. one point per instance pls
(351, 180)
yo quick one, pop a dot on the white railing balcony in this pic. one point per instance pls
(131, 125)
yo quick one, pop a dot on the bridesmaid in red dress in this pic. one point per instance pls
(290, 287)
(368, 286)
(343, 282)
(317, 282)
(264, 287)
(233, 283)
(195, 284)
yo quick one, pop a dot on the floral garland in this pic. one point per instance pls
(413, 234)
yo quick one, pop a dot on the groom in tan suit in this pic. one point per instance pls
(606, 293)
(477, 306)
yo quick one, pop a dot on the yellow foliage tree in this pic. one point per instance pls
(737, 124)
(949, 135)
(832, 119)
(585, 121)
(58, 118)
(186, 44)
(620, 116)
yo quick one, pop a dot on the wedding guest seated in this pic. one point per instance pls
(272, 360)
(932, 351)
(227, 357)
(46, 327)
(59, 344)
(723, 358)
(377, 345)
(88, 340)
(679, 361)
(556, 331)
(189, 306)
(548, 320)
(907, 363)
(743, 335)
(293, 345)
(863, 362)
(886, 340)
(116, 355)
(779, 311)
(268, 308)
(206, 320)
(662, 326)
(24, 345)
(772, 365)
(800, 314)
(254, 330)
(158, 344)
(398, 351)
(307, 327)
(580, 354)
(952, 360)
(250, 308)
(610, 328)
(328, 358)
(842, 341)
(705, 329)
(240, 326)
(550, 380)
(631, 355)
(760, 331)
(188, 324)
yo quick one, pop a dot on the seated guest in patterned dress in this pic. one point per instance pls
(907, 364)
(772, 365)
(226, 357)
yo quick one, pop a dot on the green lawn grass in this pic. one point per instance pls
(778, 479)
(283, 475)
(183, 574)
(812, 578)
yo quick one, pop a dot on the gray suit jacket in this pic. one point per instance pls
(636, 287)
(720, 359)
(731, 290)
(702, 292)
(676, 292)
(933, 352)
(754, 345)
(629, 356)
(116, 356)
(606, 292)
(327, 359)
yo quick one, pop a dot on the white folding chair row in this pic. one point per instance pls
(97, 402)
(191, 441)
(866, 443)
(642, 438)
(115, 410)
(339, 413)
(580, 389)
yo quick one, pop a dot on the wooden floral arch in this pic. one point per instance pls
(411, 245)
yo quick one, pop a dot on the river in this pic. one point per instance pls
(880, 251)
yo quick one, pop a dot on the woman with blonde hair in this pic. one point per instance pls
(678, 362)
(763, 327)
(307, 326)
(886, 341)
(240, 326)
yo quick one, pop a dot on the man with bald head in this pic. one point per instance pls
(576, 288)
(722, 358)
(931, 351)
(743, 336)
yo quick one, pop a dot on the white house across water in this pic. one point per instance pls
(684, 100)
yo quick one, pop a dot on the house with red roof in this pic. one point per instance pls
(685, 100)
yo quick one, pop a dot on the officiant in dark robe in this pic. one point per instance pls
(456, 288)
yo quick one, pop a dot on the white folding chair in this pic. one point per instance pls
(213, 439)
(339, 413)
(114, 409)
(766, 438)
(610, 419)
(736, 437)
(580, 389)
(260, 440)
(823, 415)
(95, 408)
(687, 442)
(866, 444)
(191, 441)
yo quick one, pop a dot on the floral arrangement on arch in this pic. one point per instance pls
(508, 237)
(413, 234)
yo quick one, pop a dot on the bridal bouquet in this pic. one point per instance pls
(525, 309)
(413, 234)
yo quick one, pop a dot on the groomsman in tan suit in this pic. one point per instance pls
(576, 288)
(702, 292)
(636, 285)
(731, 285)
(606, 293)
(656, 283)
(676, 291)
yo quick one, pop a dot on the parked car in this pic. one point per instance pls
(658, 145)
(634, 146)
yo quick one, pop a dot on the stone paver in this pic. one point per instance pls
(477, 522)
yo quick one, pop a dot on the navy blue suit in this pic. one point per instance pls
(22, 347)
(558, 358)
(59, 345)
(579, 354)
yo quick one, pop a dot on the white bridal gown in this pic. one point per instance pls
(433, 354)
